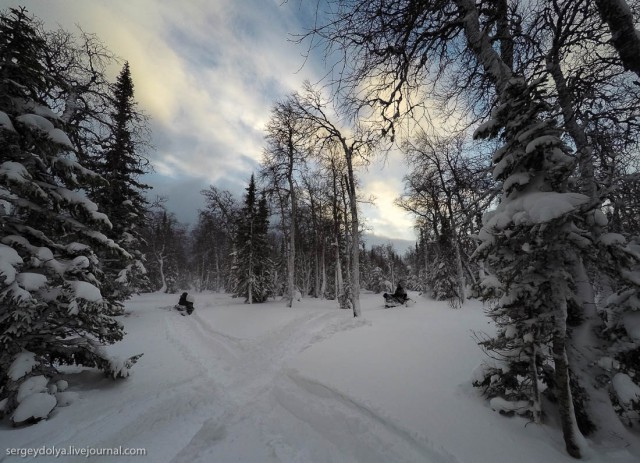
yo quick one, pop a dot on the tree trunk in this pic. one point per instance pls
(291, 262)
(160, 259)
(339, 282)
(291, 265)
(323, 283)
(355, 241)
(537, 401)
(624, 36)
(567, 104)
(217, 260)
(456, 248)
(570, 430)
(426, 261)
(573, 439)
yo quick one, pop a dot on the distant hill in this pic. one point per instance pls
(400, 245)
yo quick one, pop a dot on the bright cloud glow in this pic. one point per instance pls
(207, 72)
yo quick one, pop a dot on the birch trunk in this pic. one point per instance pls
(355, 242)
(570, 431)
(567, 104)
(339, 283)
(160, 258)
(323, 283)
(292, 249)
(292, 227)
(537, 401)
(624, 36)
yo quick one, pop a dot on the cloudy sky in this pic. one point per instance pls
(207, 72)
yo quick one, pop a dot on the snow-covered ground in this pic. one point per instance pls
(265, 383)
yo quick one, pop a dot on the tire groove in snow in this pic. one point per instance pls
(358, 430)
(248, 397)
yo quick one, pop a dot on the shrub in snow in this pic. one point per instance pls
(51, 307)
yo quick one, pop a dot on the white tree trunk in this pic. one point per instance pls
(567, 104)
(537, 401)
(573, 438)
(339, 280)
(355, 241)
(323, 283)
(292, 248)
(160, 259)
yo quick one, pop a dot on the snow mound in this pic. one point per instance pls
(31, 281)
(509, 406)
(59, 137)
(36, 406)
(626, 390)
(30, 386)
(5, 122)
(611, 239)
(631, 323)
(534, 208)
(22, 365)
(66, 398)
(62, 385)
(86, 291)
(9, 258)
(36, 122)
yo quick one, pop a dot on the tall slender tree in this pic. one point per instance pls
(288, 141)
(355, 146)
(123, 198)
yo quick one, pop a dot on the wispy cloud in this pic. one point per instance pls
(207, 72)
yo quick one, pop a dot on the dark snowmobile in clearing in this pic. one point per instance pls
(398, 298)
(185, 304)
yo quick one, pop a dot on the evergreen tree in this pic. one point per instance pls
(51, 307)
(122, 199)
(253, 266)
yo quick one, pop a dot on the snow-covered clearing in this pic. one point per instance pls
(265, 383)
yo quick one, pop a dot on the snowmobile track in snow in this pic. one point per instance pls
(256, 395)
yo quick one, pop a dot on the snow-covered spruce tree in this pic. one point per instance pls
(252, 268)
(618, 260)
(529, 246)
(122, 199)
(51, 308)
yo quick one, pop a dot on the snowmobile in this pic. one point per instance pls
(391, 301)
(185, 304)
